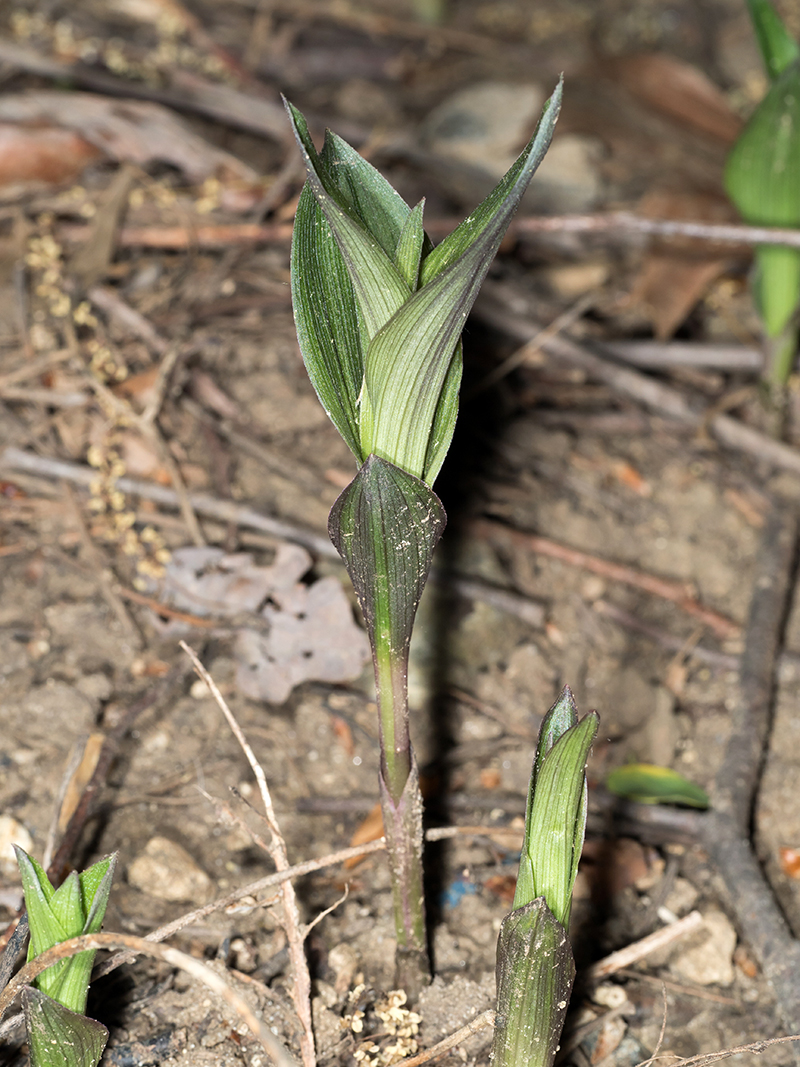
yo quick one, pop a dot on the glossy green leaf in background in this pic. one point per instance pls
(647, 783)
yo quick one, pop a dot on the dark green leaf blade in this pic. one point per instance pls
(385, 526)
(404, 393)
(378, 285)
(498, 207)
(778, 47)
(59, 1037)
(326, 319)
(535, 972)
(369, 196)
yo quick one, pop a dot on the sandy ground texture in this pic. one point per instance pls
(166, 473)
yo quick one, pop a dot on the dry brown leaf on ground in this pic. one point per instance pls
(369, 829)
(41, 155)
(673, 278)
(679, 91)
(308, 631)
(132, 131)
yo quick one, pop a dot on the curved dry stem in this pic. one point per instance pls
(175, 958)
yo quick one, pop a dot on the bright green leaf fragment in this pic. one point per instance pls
(379, 311)
(762, 177)
(556, 814)
(648, 783)
(778, 47)
(55, 915)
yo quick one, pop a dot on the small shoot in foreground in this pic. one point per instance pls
(59, 1034)
(379, 313)
(762, 177)
(535, 968)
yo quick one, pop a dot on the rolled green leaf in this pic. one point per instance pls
(535, 972)
(58, 1037)
(648, 783)
(556, 815)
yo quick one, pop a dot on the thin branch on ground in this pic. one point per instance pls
(704, 1058)
(279, 1054)
(480, 1022)
(293, 928)
(699, 992)
(639, 950)
(722, 660)
(676, 592)
(492, 307)
(727, 828)
(627, 222)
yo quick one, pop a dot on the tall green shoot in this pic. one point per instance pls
(379, 313)
(535, 968)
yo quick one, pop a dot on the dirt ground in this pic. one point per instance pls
(146, 333)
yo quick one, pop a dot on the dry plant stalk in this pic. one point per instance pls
(295, 931)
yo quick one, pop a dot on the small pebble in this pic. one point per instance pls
(165, 870)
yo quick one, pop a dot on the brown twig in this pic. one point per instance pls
(627, 222)
(723, 660)
(480, 1022)
(678, 987)
(174, 958)
(639, 950)
(727, 828)
(227, 235)
(293, 928)
(492, 307)
(676, 592)
(108, 299)
(221, 235)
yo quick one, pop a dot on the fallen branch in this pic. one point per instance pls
(492, 308)
(639, 950)
(676, 592)
(726, 829)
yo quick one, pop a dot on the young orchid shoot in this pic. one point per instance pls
(535, 968)
(379, 313)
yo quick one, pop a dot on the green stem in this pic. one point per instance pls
(401, 806)
(781, 354)
(391, 673)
